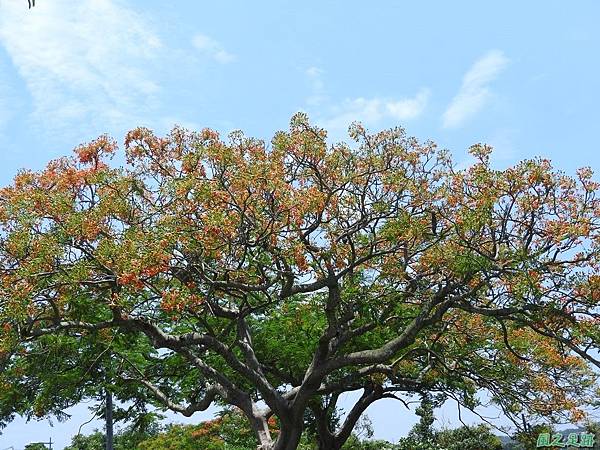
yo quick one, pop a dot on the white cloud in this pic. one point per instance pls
(85, 60)
(408, 108)
(317, 86)
(4, 104)
(474, 92)
(212, 48)
(374, 110)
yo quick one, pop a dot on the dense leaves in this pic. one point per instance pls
(275, 278)
(127, 439)
(229, 431)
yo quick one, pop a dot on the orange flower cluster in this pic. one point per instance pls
(93, 152)
(175, 301)
(208, 427)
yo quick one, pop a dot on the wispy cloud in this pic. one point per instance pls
(4, 103)
(84, 60)
(212, 48)
(374, 110)
(337, 116)
(317, 86)
(475, 91)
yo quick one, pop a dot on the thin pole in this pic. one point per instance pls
(109, 421)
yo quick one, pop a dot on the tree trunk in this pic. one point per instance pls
(325, 438)
(290, 434)
(288, 441)
(327, 443)
(261, 429)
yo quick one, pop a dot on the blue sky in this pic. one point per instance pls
(521, 76)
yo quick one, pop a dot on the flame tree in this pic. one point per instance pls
(275, 278)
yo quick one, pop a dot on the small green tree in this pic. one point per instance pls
(527, 439)
(36, 446)
(422, 435)
(94, 441)
(468, 438)
(127, 439)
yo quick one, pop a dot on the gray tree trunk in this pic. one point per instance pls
(109, 421)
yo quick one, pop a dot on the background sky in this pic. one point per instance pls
(521, 76)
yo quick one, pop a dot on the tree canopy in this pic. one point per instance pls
(275, 278)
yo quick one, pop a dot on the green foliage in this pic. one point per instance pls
(94, 441)
(423, 436)
(468, 438)
(180, 437)
(228, 431)
(525, 440)
(290, 349)
(356, 443)
(126, 439)
(36, 446)
(477, 437)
